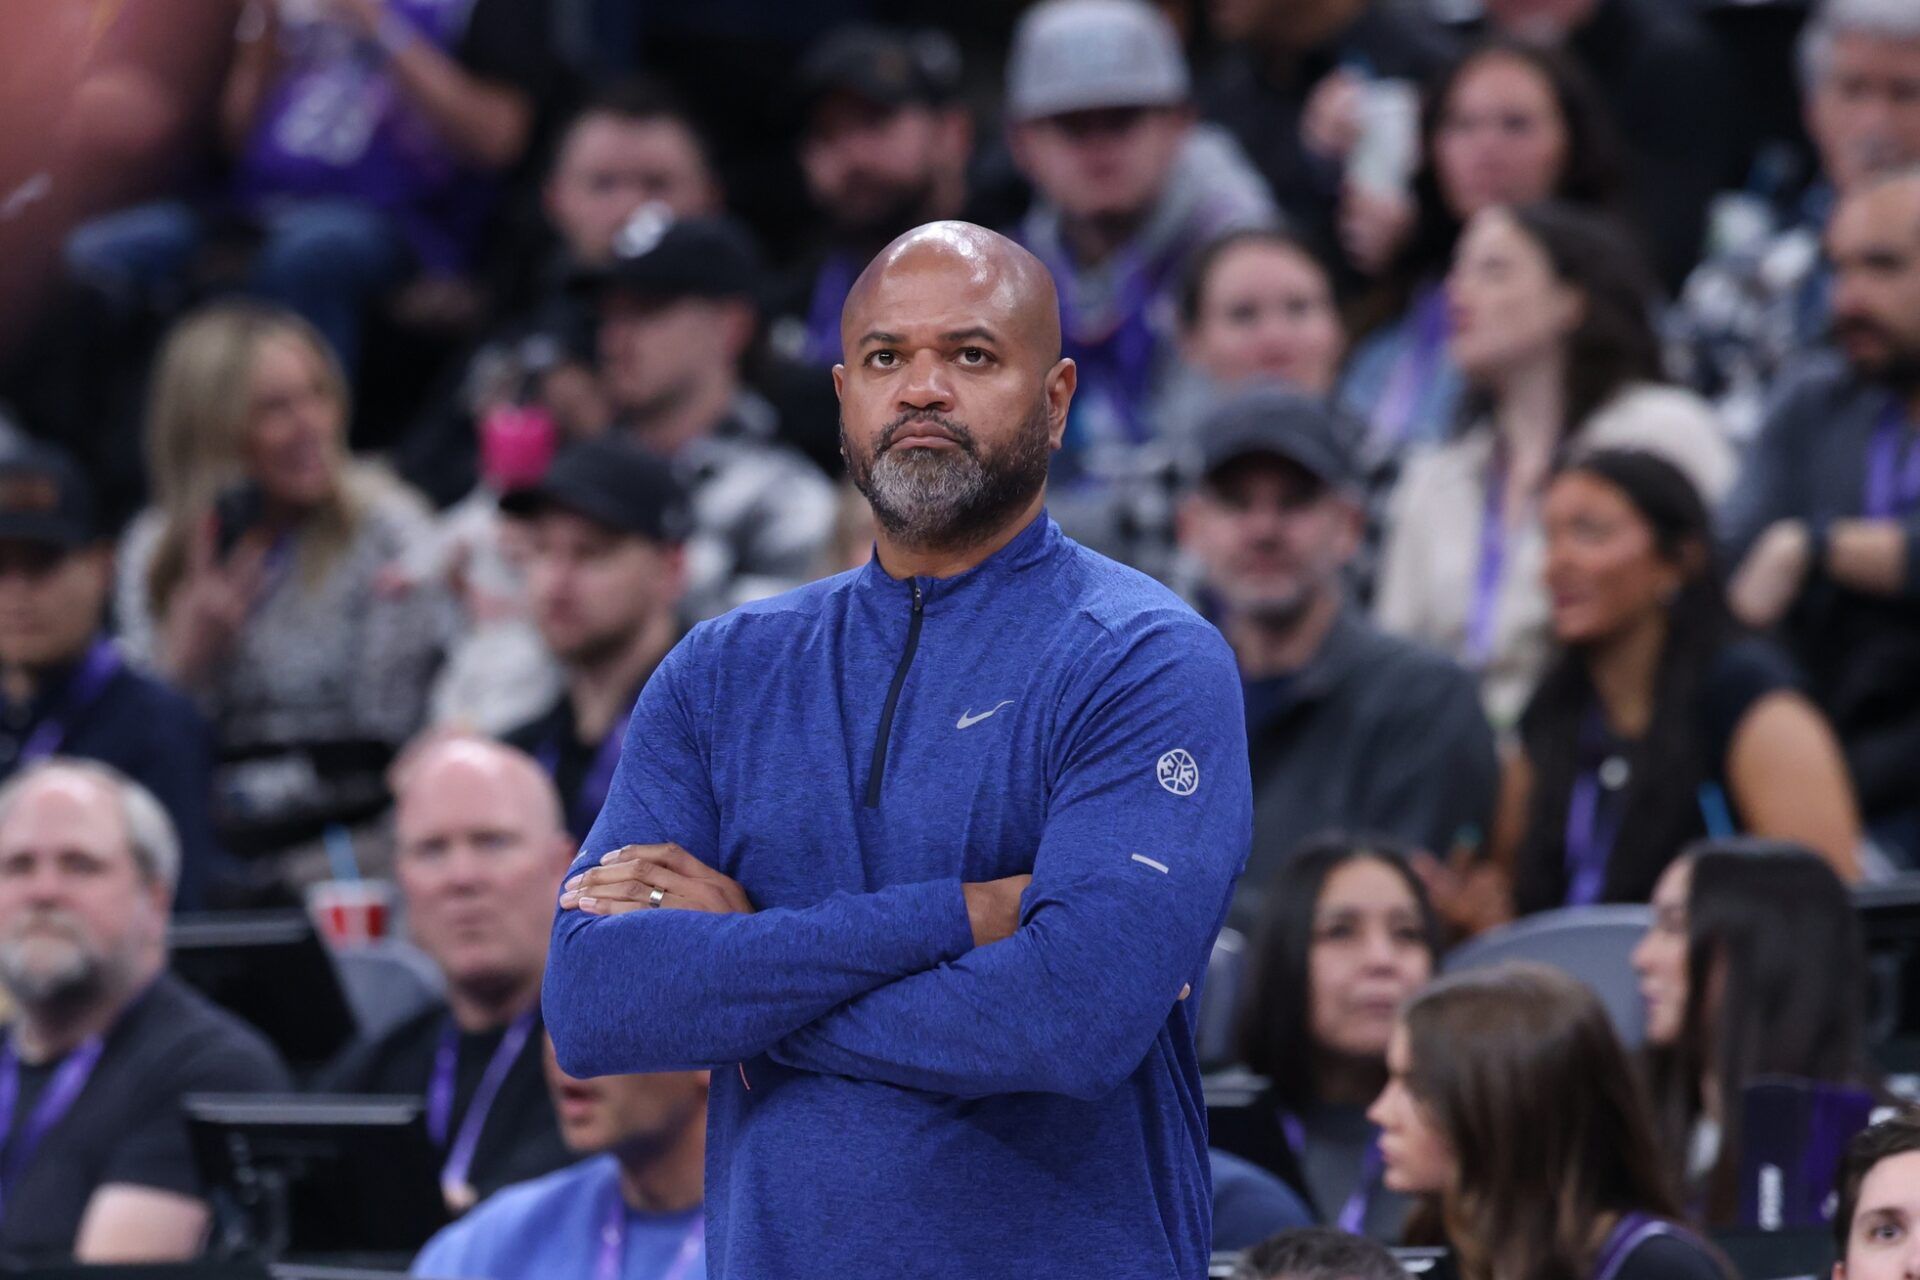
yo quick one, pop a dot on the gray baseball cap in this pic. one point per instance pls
(1274, 421)
(1084, 55)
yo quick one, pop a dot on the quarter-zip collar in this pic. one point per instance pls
(1034, 545)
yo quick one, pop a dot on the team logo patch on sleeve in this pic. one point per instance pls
(1177, 772)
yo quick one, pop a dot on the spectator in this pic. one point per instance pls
(1508, 124)
(1346, 939)
(64, 687)
(367, 139)
(1250, 1204)
(1551, 328)
(1347, 727)
(481, 849)
(252, 584)
(1317, 1253)
(1825, 524)
(675, 318)
(1513, 1109)
(104, 1041)
(1727, 1004)
(1292, 88)
(1659, 723)
(1256, 305)
(631, 1211)
(1876, 1228)
(885, 148)
(627, 146)
(606, 576)
(1669, 86)
(1127, 190)
(1760, 298)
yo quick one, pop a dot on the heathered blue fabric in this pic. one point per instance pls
(887, 1098)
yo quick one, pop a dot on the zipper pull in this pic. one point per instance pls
(916, 595)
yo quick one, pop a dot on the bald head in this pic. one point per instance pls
(1011, 288)
(481, 854)
(464, 763)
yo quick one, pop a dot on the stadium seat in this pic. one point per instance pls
(1226, 969)
(1591, 943)
(386, 982)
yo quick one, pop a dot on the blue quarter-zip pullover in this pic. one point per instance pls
(889, 1099)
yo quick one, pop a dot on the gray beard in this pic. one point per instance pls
(949, 500)
(73, 978)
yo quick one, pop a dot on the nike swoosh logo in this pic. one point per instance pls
(968, 721)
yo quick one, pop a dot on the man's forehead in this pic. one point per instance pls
(1887, 211)
(67, 805)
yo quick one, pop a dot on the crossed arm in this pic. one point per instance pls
(929, 986)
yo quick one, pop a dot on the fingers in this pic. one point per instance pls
(672, 858)
(203, 552)
(608, 890)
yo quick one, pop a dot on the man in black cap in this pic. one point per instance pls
(1348, 728)
(64, 689)
(885, 147)
(676, 317)
(605, 577)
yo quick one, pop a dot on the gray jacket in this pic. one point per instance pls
(1376, 735)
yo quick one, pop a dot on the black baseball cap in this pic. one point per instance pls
(612, 482)
(885, 66)
(45, 498)
(658, 256)
(1276, 421)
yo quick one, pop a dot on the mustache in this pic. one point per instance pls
(1841, 326)
(958, 430)
(36, 919)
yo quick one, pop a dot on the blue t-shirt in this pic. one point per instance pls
(886, 1095)
(559, 1226)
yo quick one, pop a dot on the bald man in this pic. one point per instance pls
(480, 848)
(920, 860)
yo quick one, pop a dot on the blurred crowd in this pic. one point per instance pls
(1528, 390)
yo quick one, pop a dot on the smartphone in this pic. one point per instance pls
(236, 510)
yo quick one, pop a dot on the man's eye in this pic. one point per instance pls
(882, 359)
(974, 355)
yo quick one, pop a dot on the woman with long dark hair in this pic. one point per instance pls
(1754, 966)
(1508, 124)
(1551, 326)
(1513, 1110)
(1347, 937)
(1660, 722)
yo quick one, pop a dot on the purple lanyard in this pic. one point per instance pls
(84, 688)
(830, 290)
(1590, 833)
(1633, 1230)
(1116, 344)
(69, 1080)
(454, 1182)
(1353, 1214)
(1483, 615)
(613, 1242)
(1414, 370)
(586, 805)
(1893, 467)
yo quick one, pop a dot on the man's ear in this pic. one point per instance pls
(1061, 381)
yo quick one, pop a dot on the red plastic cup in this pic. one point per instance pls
(350, 913)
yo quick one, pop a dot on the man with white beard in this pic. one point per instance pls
(94, 1157)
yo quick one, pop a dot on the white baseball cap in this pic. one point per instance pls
(1084, 55)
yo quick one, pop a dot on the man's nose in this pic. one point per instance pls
(928, 384)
